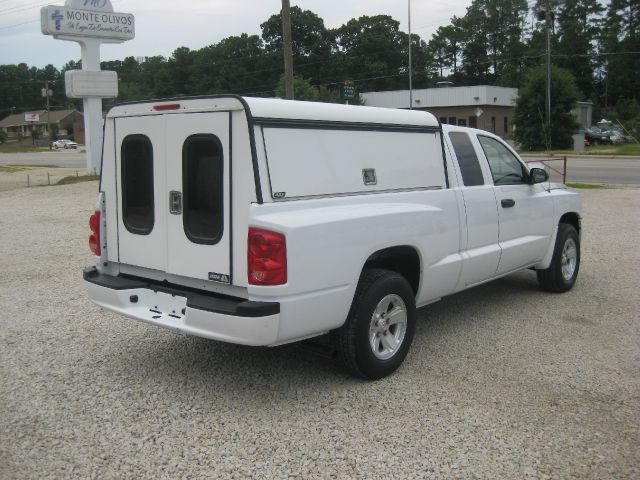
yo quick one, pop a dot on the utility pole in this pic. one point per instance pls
(287, 50)
(410, 63)
(548, 22)
(46, 92)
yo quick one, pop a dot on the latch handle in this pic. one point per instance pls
(175, 202)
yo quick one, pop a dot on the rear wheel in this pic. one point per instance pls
(379, 330)
(563, 271)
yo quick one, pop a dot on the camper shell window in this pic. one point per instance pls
(202, 185)
(137, 184)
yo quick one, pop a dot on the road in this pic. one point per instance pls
(60, 158)
(604, 170)
(614, 170)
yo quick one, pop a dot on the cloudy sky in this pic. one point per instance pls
(164, 25)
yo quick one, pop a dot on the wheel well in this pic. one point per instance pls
(572, 219)
(402, 260)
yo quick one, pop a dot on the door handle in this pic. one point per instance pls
(175, 203)
(508, 203)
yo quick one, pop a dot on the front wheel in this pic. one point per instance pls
(563, 271)
(377, 335)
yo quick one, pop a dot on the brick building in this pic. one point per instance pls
(70, 124)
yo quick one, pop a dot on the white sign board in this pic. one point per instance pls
(84, 84)
(90, 23)
(32, 117)
(87, 23)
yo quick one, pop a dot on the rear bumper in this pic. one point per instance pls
(201, 314)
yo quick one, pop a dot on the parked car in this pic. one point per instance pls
(64, 144)
(597, 136)
(265, 222)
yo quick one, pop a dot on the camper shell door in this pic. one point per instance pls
(173, 188)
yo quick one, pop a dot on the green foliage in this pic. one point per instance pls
(3, 136)
(532, 131)
(495, 42)
(54, 129)
(302, 89)
(36, 133)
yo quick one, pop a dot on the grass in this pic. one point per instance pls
(12, 168)
(15, 148)
(73, 179)
(585, 186)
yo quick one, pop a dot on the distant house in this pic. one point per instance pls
(485, 107)
(70, 124)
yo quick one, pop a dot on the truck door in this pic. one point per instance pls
(481, 250)
(525, 212)
(174, 194)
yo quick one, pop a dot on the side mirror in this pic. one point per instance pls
(538, 175)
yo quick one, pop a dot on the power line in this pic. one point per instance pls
(22, 8)
(18, 24)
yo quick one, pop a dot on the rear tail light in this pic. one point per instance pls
(94, 239)
(267, 257)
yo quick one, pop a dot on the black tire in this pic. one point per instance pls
(352, 341)
(554, 279)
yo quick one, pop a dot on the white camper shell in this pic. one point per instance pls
(262, 222)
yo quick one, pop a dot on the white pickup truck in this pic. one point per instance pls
(263, 222)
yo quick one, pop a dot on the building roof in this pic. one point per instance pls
(17, 119)
(481, 95)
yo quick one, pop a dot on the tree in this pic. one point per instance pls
(36, 133)
(3, 136)
(475, 58)
(532, 132)
(370, 50)
(578, 26)
(621, 42)
(311, 45)
(302, 89)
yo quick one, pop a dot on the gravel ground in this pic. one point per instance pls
(12, 178)
(503, 381)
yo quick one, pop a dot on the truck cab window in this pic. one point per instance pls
(202, 174)
(467, 159)
(506, 169)
(137, 184)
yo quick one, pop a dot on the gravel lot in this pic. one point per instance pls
(503, 381)
(13, 178)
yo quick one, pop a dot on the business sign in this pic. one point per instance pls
(32, 117)
(348, 90)
(90, 84)
(81, 22)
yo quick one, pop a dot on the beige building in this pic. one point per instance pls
(484, 107)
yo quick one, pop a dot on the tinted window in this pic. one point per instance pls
(202, 174)
(137, 184)
(506, 169)
(467, 159)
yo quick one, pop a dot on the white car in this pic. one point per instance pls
(264, 222)
(64, 144)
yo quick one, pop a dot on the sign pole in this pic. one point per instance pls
(90, 23)
(93, 132)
